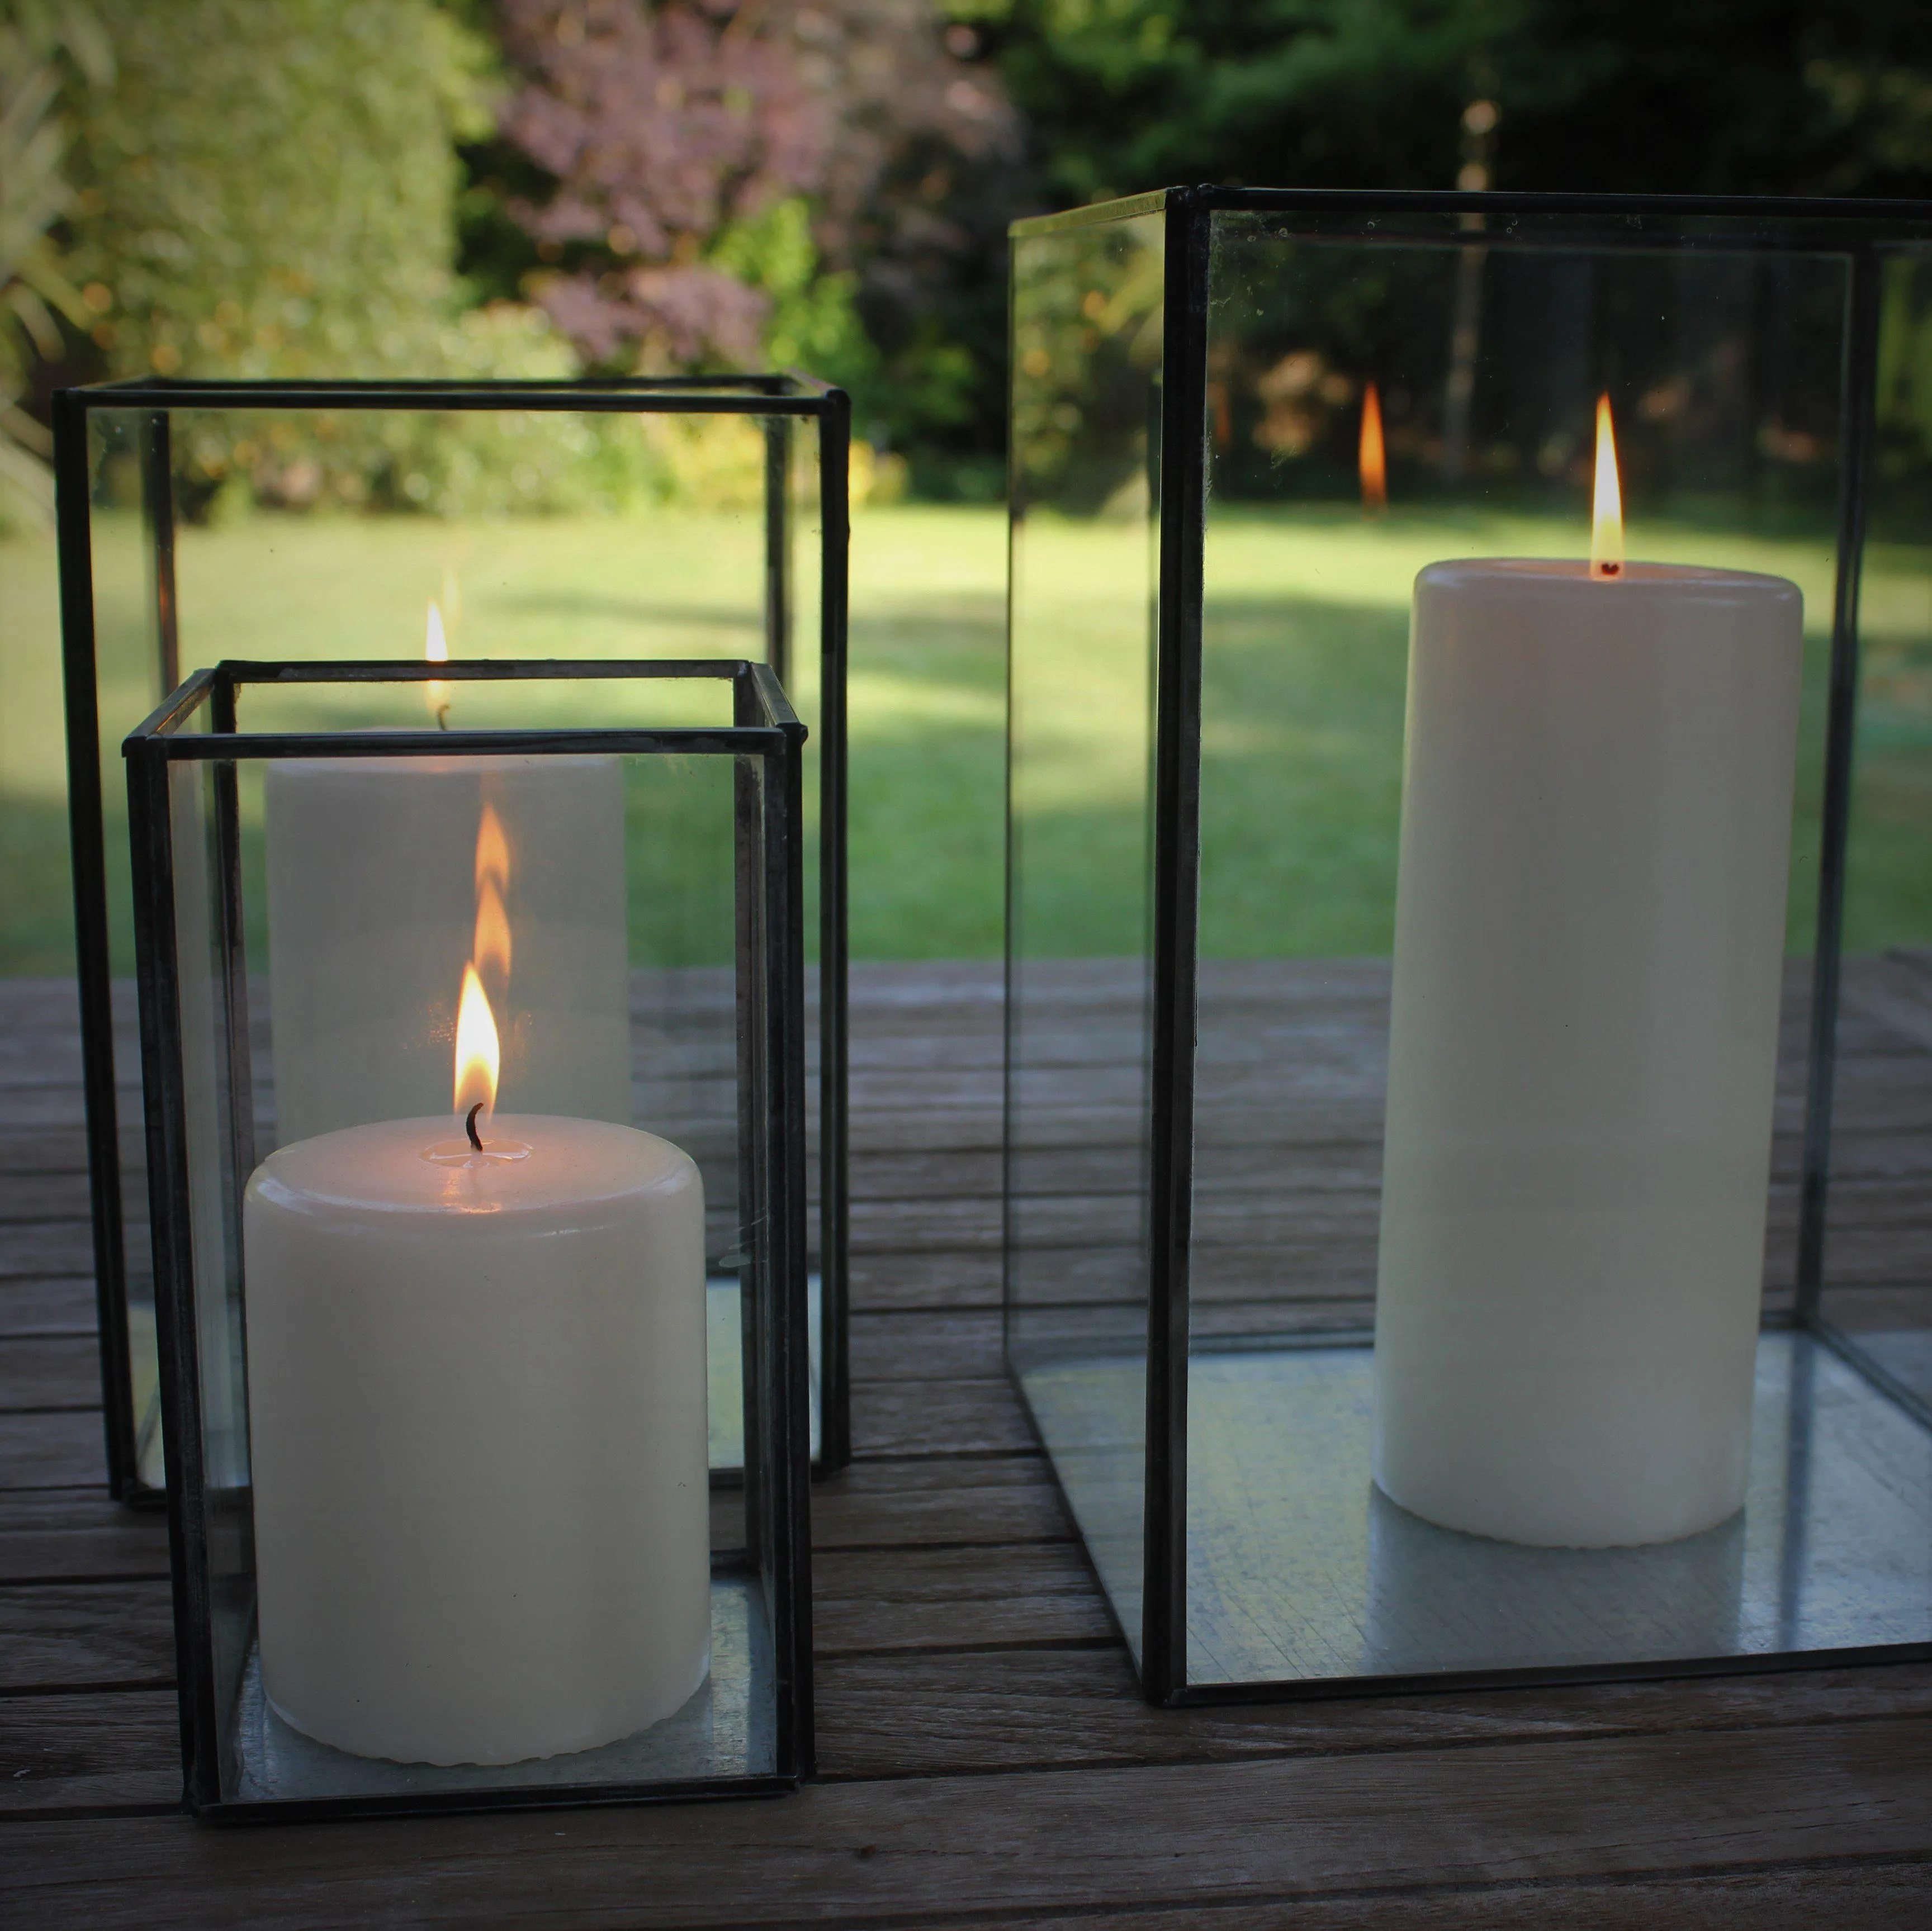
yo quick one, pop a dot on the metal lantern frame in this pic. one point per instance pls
(1149, 1590)
(780, 401)
(210, 1519)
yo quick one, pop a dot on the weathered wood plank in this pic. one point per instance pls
(85, 1636)
(63, 1451)
(78, 1535)
(990, 1499)
(42, 1196)
(978, 1597)
(61, 1152)
(925, 1714)
(929, 1345)
(42, 1247)
(117, 1748)
(49, 1370)
(47, 1304)
(941, 1849)
(970, 1417)
(892, 1278)
(1888, 1897)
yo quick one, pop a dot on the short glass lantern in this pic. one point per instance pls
(438, 1379)
(657, 517)
(1469, 1011)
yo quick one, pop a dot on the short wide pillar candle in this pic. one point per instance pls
(477, 1392)
(1596, 824)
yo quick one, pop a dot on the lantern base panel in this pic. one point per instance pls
(724, 1731)
(1304, 1579)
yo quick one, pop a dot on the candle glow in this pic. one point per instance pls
(435, 648)
(490, 949)
(1606, 520)
(1370, 458)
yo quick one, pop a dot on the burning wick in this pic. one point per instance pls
(1606, 521)
(470, 1127)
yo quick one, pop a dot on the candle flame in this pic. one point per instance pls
(435, 648)
(1370, 457)
(493, 851)
(1606, 521)
(478, 1054)
(490, 951)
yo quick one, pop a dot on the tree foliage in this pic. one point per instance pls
(705, 183)
(41, 43)
(1671, 96)
(267, 186)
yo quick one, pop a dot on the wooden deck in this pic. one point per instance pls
(986, 1760)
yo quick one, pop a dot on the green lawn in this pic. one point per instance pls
(1306, 631)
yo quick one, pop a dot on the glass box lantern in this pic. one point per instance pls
(1469, 1048)
(439, 1376)
(314, 521)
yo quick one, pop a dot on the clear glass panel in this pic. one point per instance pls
(1486, 355)
(129, 660)
(1086, 324)
(314, 535)
(474, 1468)
(1877, 1287)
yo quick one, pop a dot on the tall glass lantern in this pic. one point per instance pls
(1469, 971)
(440, 1370)
(322, 521)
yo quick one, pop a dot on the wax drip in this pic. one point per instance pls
(469, 1126)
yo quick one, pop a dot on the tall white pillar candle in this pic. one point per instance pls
(372, 877)
(477, 1395)
(1596, 822)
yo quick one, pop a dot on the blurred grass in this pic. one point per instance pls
(1306, 627)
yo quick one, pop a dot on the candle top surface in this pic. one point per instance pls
(532, 1165)
(1531, 577)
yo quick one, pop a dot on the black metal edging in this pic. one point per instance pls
(769, 742)
(783, 395)
(1333, 1689)
(1176, 866)
(835, 939)
(601, 399)
(165, 1119)
(1828, 212)
(790, 1504)
(1009, 922)
(469, 1803)
(88, 845)
(1860, 390)
(167, 388)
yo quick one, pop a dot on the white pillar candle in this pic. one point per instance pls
(1596, 822)
(373, 901)
(477, 1395)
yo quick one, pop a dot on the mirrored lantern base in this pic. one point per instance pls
(724, 1731)
(725, 1362)
(1302, 1578)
